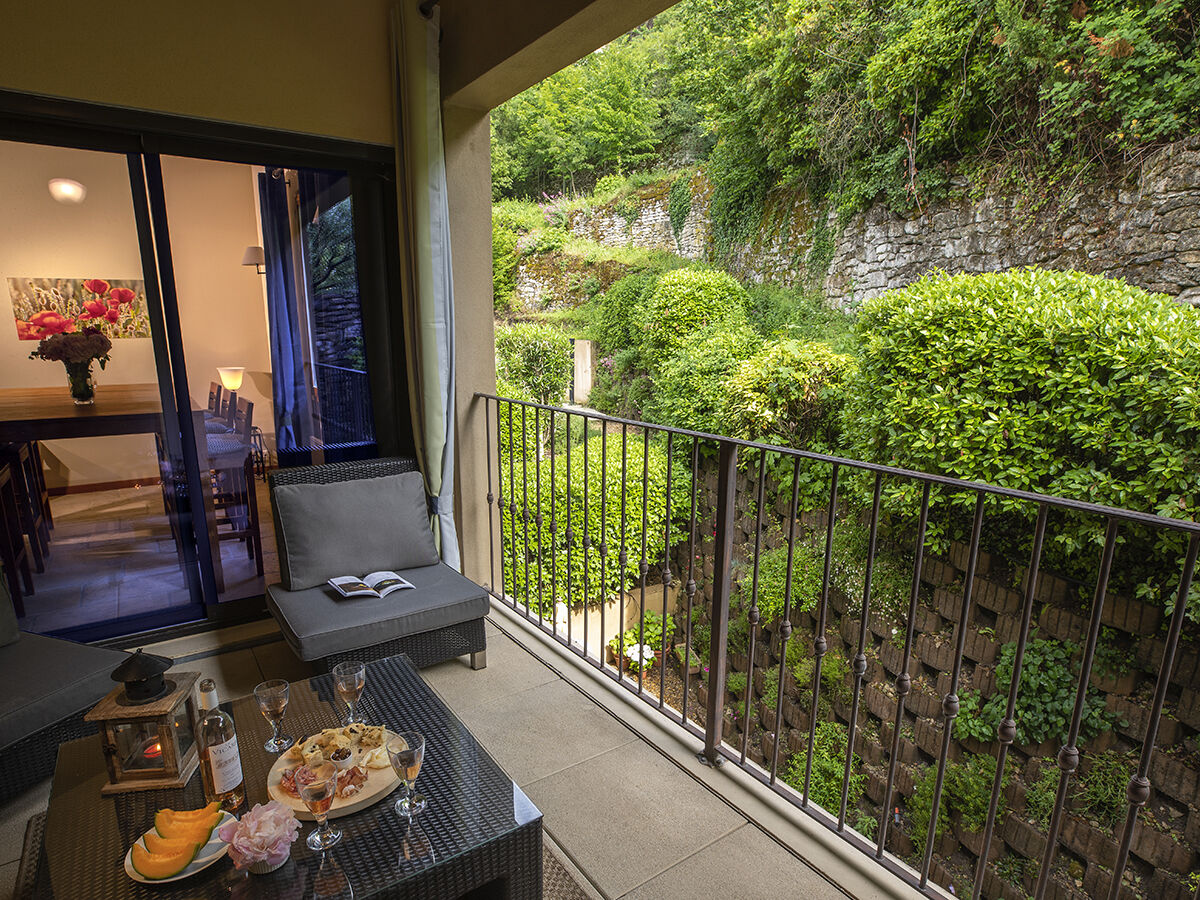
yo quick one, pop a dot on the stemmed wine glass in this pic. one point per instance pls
(406, 750)
(272, 697)
(318, 797)
(350, 678)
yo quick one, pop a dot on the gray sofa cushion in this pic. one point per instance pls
(351, 528)
(8, 618)
(317, 622)
(74, 677)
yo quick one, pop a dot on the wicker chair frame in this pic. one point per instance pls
(425, 649)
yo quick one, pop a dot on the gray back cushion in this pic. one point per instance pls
(351, 528)
(8, 617)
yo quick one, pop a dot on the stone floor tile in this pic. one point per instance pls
(529, 744)
(628, 815)
(510, 670)
(745, 863)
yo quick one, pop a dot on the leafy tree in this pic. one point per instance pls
(687, 300)
(537, 358)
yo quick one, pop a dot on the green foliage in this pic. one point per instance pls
(778, 311)
(620, 312)
(967, 790)
(735, 683)
(1042, 793)
(504, 265)
(621, 386)
(1102, 787)
(518, 440)
(540, 567)
(679, 203)
(789, 393)
(772, 583)
(1045, 699)
(685, 301)
(1056, 382)
(828, 766)
(690, 387)
(537, 357)
(835, 671)
(891, 576)
(770, 693)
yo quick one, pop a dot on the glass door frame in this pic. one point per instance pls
(144, 137)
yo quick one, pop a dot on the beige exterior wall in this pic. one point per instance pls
(300, 65)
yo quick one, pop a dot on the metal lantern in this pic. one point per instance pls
(148, 726)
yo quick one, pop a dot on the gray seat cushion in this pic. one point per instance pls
(47, 680)
(317, 622)
(351, 528)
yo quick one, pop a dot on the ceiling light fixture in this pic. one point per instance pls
(67, 190)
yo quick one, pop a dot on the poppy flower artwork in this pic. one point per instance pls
(116, 307)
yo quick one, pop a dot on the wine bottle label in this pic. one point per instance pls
(226, 766)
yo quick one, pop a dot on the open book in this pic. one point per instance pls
(377, 584)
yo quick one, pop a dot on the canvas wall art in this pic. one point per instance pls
(46, 306)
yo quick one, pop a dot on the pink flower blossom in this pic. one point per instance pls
(264, 834)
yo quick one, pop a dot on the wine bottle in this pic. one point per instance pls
(220, 762)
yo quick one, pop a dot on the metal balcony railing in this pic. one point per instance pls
(544, 465)
(345, 405)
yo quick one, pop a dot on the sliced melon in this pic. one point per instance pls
(193, 814)
(198, 832)
(162, 846)
(156, 866)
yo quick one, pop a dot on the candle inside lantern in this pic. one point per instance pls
(154, 751)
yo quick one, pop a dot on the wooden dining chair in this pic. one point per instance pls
(33, 525)
(232, 473)
(214, 399)
(39, 475)
(13, 554)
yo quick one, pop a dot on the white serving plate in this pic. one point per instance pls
(209, 854)
(379, 783)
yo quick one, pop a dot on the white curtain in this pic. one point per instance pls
(425, 254)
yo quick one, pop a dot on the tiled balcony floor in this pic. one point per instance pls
(633, 813)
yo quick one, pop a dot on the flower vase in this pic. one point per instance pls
(79, 380)
(265, 866)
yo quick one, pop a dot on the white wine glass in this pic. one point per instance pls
(406, 751)
(318, 795)
(272, 697)
(350, 678)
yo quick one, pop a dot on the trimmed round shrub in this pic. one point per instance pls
(537, 358)
(690, 388)
(1058, 382)
(790, 393)
(687, 300)
(620, 313)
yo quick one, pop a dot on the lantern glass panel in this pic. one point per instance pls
(184, 738)
(138, 747)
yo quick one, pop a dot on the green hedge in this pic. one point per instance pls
(1057, 382)
(620, 313)
(690, 387)
(687, 300)
(560, 575)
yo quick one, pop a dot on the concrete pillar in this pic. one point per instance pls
(584, 365)
(469, 183)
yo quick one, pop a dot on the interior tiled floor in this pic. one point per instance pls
(629, 819)
(112, 555)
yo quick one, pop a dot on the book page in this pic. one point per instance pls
(386, 582)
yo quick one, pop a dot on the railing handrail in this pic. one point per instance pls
(1128, 515)
(322, 365)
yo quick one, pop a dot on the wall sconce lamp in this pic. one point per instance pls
(67, 190)
(254, 257)
(231, 376)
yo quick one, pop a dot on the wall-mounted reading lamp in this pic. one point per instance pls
(426, 7)
(254, 257)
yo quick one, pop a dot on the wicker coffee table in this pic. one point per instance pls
(479, 836)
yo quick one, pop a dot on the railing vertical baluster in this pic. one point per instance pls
(860, 656)
(603, 548)
(950, 701)
(903, 679)
(726, 496)
(644, 565)
(491, 498)
(623, 555)
(525, 515)
(1007, 730)
(689, 587)
(820, 645)
(553, 537)
(537, 465)
(587, 538)
(1068, 754)
(787, 592)
(666, 578)
(569, 535)
(1137, 792)
(752, 612)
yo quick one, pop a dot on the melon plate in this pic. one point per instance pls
(205, 857)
